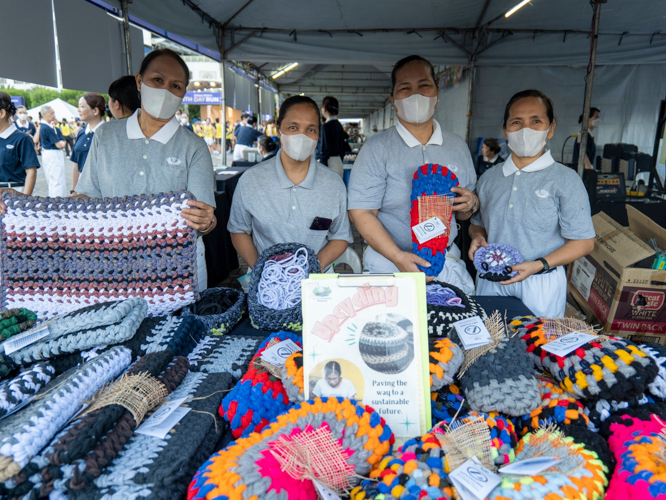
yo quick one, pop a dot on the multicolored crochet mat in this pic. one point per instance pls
(61, 254)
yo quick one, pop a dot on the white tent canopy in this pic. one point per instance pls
(62, 110)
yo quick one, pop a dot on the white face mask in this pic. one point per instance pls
(183, 121)
(298, 147)
(416, 108)
(596, 123)
(22, 116)
(159, 103)
(526, 142)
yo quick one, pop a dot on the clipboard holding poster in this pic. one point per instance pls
(365, 337)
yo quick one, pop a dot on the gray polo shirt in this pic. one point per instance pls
(124, 162)
(273, 210)
(384, 169)
(536, 209)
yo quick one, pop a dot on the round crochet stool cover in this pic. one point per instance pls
(220, 309)
(600, 410)
(327, 430)
(445, 360)
(290, 318)
(494, 262)
(292, 377)
(443, 313)
(386, 347)
(432, 197)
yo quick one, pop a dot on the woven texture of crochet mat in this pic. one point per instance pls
(24, 386)
(636, 441)
(57, 254)
(220, 309)
(447, 403)
(161, 469)
(657, 352)
(247, 466)
(259, 396)
(601, 410)
(228, 353)
(291, 375)
(27, 431)
(441, 318)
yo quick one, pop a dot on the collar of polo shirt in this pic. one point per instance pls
(545, 161)
(10, 130)
(412, 142)
(89, 130)
(285, 182)
(44, 122)
(163, 135)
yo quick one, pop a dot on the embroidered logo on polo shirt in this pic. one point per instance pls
(453, 168)
(173, 161)
(542, 193)
(10, 146)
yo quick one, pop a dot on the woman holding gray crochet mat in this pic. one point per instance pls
(534, 205)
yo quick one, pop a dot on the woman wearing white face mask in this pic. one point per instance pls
(535, 205)
(150, 153)
(291, 198)
(381, 180)
(591, 148)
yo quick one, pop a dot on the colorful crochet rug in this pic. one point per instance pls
(60, 254)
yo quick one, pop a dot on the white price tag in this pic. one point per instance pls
(324, 492)
(429, 229)
(24, 339)
(568, 343)
(164, 419)
(473, 481)
(472, 332)
(530, 466)
(278, 354)
(582, 276)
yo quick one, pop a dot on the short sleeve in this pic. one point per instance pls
(88, 183)
(341, 227)
(201, 176)
(240, 220)
(27, 153)
(74, 157)
(574, 211)
(367, 183)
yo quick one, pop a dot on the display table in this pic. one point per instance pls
(226, 180)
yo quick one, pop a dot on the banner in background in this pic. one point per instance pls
(202, 98)
(450, 76)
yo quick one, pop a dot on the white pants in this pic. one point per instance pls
(544, 294)
(335, 164)
(454, 271)
(202, 270)
(238, 152)
(53, 163)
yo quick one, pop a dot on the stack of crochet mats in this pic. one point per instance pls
(60, 254)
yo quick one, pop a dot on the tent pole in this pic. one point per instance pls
(589, 84)
(223, 119)
(470, 98)
(126, 32)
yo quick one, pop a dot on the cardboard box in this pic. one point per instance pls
(616, 284)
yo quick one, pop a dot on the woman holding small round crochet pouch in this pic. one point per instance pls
(535, 213)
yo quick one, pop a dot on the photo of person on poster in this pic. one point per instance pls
(333, 384)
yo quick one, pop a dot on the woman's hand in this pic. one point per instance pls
(201, 217)
(406, 262)
(477, 242)
(465, 200)
(3, 207)
(525, 270)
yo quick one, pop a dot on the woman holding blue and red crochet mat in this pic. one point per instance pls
(380, 187)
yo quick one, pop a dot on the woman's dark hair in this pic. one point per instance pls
(165, 52)
(96, 101)
(332, 366)
(293, 101)
(493, 145)
(271, 121)
(267, 143)
(124, 91)
(530, 93)
(406, 60)
(331, 105)
(251, 120)
(592, 111)
(7, 104)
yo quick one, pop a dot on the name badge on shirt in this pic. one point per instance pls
(10, 146)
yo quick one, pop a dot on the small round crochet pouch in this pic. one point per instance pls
(219, 309)
(493, 263)
(331, 440)
(432, 197)
(448, 304)
(274, 297)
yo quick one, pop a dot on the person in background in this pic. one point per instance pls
(22, 123)
(53, 160)
(178, 115)
(489, 157)
(66, 132)
(208, 133)
(333, 385)
(123, 98)
(271, 129)
(246, 137)
(380, 186)
(267, 147)
(331, 146)
(535, 205)
(229, 137)
(185, 122)
(75, 129)
(197, 128)
(291, 198)
(18, 160)
(591, 147)
(218, 134)
(241, 123)
(91, 112)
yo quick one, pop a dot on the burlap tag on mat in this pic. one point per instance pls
(541, 445)
(314, 455)
(435, 206)
(138, 394)
(496, 328)
(463, 440)
(271, 368)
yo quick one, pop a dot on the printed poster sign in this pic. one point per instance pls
(366, 338)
